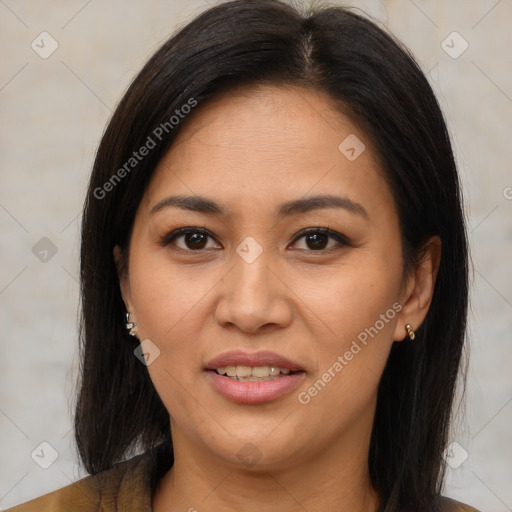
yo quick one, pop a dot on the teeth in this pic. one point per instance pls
(246, 372)
(230, 371)
(260, 371)
(243, 371)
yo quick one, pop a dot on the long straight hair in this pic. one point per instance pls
(374, 80)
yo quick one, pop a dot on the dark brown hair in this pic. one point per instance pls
(370, 76)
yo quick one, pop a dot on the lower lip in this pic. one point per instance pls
(250, 392)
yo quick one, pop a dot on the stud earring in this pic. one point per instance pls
(130, 326)
(410, 332)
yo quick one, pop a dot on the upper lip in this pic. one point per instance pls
(262, 358)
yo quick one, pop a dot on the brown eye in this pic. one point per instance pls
(195, 240)
(316, 241)
(321, 239)
(190, 239)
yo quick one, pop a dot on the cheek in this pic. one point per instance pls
(359, 309)
(167, 298)
(352, 298)
(170, 306)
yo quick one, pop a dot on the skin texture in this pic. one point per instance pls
(251, 150)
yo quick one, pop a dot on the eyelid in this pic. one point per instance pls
(341, 239)
(170, 237)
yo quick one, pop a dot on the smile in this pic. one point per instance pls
(253, 373)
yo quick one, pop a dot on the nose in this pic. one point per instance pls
(253, 297)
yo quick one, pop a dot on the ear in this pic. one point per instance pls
(122, 273)
(419, 288)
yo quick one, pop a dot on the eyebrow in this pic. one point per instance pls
(303, 205)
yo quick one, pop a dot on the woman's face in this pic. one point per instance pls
(261, 174)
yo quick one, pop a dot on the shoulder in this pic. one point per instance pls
(124, 487)
(449, 505)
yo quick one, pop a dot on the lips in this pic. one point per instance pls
(254, 390)
(262, 358)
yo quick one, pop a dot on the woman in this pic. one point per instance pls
(274, 276)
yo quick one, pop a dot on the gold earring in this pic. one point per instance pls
(410, 332)
(130, 326)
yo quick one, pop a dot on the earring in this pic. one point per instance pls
(130, 326)
(410, 332)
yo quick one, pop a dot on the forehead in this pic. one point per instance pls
(276, 142)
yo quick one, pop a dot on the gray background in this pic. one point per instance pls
(53, 112)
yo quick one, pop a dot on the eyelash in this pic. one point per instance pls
(338, 237)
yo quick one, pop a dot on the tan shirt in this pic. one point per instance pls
(125, 487)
